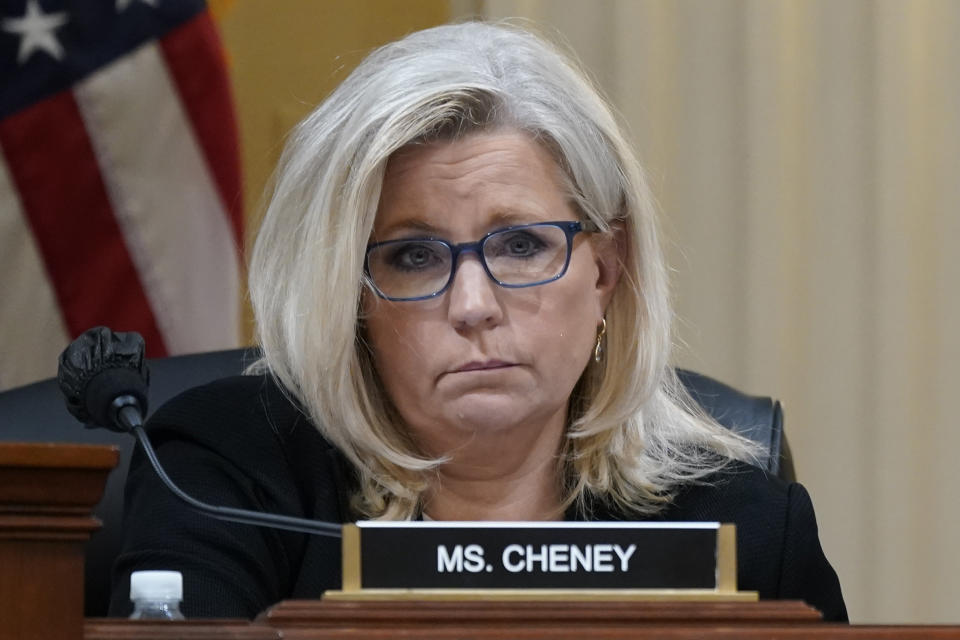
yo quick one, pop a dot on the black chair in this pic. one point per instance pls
(36, 413)
(758, 418)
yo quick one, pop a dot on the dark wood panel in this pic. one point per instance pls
(103, 629)
(118, 629)
(47, 495)
(429, 613)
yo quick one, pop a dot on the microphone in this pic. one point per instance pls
(104, 378)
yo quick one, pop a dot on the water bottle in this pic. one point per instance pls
(156, 595)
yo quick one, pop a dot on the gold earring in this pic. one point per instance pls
(598, 350)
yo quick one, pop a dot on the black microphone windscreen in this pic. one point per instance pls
(109, 385)
(95, 352)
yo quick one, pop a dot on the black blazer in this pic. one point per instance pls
(240, 442)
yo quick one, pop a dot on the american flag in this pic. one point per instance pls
(120, 194)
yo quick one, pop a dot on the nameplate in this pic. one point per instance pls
(517, 555)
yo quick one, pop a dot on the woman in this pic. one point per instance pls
(463, 312)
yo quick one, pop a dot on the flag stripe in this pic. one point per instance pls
(55, 171)
(33, 330)
(195, 61)
(165, 200)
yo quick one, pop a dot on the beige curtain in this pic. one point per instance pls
(806, 158)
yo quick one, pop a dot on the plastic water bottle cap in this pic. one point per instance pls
(156, 585)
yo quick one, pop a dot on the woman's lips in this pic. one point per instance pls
(482, 366)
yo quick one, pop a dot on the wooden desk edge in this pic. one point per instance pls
(120, 629)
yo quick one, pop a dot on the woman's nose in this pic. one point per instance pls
(473, 299)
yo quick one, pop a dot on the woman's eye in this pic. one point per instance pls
(414, 257)
(518, 245)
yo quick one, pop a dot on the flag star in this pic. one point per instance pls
(36, 29)
(123, 5)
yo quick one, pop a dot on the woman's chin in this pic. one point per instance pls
(489, 412)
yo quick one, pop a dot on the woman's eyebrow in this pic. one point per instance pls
(509, 218)
(408, 226)
(497, 219)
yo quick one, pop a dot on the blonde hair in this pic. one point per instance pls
(634, 434)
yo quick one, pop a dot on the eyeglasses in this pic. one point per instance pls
(515, 257)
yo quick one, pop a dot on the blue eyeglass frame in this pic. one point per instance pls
(570, 228)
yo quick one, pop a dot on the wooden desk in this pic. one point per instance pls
(47, 494)
(338, 620)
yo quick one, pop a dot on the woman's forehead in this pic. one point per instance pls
(508, 149)
(502, 177)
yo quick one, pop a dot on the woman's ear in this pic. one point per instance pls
(611, 252)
